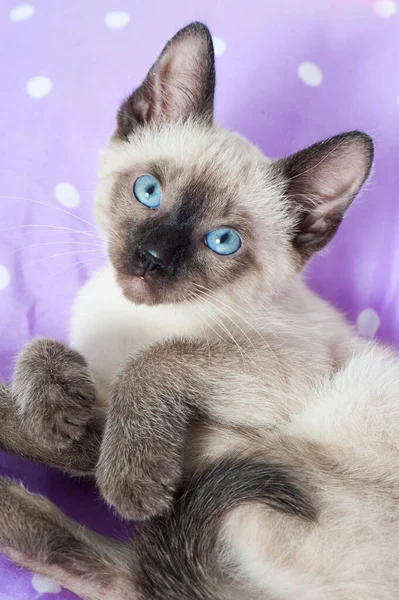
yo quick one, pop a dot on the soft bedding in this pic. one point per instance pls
(289, 73)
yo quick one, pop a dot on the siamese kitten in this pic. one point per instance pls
(245, 423)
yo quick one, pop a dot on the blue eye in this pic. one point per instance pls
(147, 190)
(223, 240)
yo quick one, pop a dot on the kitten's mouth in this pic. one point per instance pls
(143, 289)
(139, 284)
(137, 289)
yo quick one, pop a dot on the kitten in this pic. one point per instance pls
(245, 422)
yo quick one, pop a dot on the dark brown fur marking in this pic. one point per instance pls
(178, 556)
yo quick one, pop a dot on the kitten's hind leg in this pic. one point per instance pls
(79, 458)
(35, 534)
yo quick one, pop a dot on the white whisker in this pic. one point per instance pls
(40, 260)
(230, 319)
(64, 242)
(206, 291)
(58, 208)
(202, 321)
(53, 227)
(224, 328)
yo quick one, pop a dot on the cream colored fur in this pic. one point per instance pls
(309, 393)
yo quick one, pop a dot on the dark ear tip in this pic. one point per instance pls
(365, 140)
(196, 27)
(368, 145)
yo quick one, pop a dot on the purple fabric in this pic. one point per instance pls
(265, 91)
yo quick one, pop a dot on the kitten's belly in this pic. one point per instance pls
(107, 329)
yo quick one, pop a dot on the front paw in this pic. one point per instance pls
(139, 486)
(54, 391)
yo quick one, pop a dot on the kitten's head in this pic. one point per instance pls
(186, 205)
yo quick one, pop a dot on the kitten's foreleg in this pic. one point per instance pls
(154, 398)
(141, 455)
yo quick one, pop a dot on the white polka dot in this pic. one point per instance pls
(67, 194)
(219, 45)
(22, 12)
(385, 8)
(397, 100)
(117, 19)
(39, 86)
(4, 277)
(310, 74)
(45, 586)
(368, 322)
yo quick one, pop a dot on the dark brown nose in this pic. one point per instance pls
(153, 260)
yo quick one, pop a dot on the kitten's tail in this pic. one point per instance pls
(179, 556)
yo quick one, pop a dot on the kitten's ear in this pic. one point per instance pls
(180, 84)
(322, 181)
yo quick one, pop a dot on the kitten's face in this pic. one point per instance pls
(217, 227)
(187, 206)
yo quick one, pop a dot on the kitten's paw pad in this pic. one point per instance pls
(55, 392)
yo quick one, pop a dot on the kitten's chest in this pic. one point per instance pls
(107, 329)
